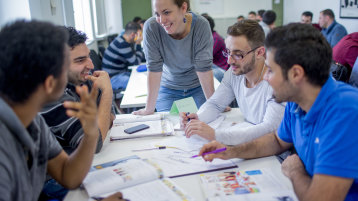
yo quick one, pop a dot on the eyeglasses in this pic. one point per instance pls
(237, 57)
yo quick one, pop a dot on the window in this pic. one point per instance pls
(99, 17)
(83, 17)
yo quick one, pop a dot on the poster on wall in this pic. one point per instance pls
(211, 7)
(348, 9)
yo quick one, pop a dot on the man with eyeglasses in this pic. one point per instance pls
(243, 81)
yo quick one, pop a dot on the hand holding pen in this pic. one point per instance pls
(215, 149)
(211, 152)
(185, 118)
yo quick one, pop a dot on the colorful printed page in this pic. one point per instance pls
(245, 185)
(120, 176)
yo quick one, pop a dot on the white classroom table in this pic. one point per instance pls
(190, 184)
(136, 92)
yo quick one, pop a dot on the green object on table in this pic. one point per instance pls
(184, 105)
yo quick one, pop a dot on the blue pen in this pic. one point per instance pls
(187, 116)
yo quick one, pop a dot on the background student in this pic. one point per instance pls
(331, 29)
(220, 64)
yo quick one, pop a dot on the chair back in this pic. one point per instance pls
(97, 62)
(353, 79)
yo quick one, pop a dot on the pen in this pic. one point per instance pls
(211, 152)
(187, 116)
(101, 198)
(141, 95)
(159, 147)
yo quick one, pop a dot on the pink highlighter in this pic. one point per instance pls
(211, 152)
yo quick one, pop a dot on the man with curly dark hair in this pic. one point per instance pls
(67, 130)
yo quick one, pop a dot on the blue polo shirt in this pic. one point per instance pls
(334, 33)
(326, 138)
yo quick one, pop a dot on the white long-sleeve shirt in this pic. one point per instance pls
(262, 114)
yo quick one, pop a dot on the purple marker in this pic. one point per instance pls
(211, 152)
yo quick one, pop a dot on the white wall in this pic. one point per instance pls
(294, 8)
(232, 8)
(14, 9)
(114, 16)
(225, 14)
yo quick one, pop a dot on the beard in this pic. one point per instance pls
(243, 69)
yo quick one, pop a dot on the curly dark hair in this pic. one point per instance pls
(76, 37)
(30, 52)
(304, 45)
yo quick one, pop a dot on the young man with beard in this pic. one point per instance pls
(320, 119)
(68, 130)
(244, 81)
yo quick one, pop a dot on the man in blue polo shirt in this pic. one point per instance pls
(332, 30)
(320, 119)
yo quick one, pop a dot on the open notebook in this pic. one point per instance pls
(146, 183)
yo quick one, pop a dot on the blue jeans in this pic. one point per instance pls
(218, 72)
(167, 96)
(120, 80)
(54, 190)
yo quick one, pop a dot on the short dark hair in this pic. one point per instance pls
(308, 14)
(261, 12)
(210, 20)
(76, 37)
(30, 52)
(251, 30)
(131, 27)
(304, 45)
(252, 13)
(328, 12)
(240, 16)
(137, 19)
(179, 3)
(142, 21)
(269, 17)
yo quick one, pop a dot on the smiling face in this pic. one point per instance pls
(283, 90)
(170, 16)
(81, 64)
(239, 45)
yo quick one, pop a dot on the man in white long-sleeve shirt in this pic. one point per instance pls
(243, 81)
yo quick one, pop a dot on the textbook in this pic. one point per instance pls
(137, 179)
(157, 126)
(259, 184)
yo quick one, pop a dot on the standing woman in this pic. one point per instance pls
(178, 46)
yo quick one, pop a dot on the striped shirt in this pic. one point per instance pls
(67, 130)
(119, 55)
(218, 57)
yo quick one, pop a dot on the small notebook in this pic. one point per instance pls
(156, 128)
